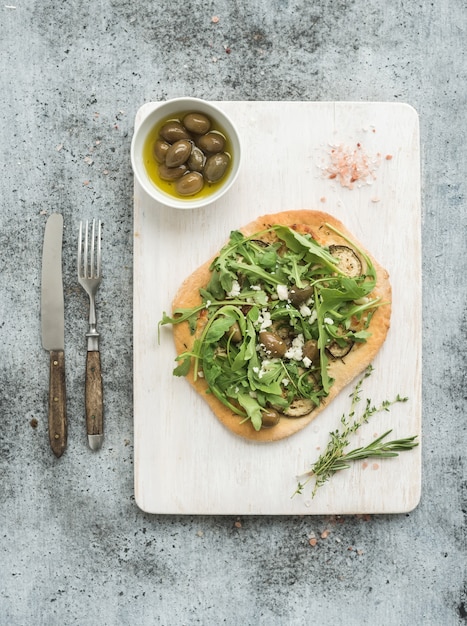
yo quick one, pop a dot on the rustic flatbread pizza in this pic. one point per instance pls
(272, 328)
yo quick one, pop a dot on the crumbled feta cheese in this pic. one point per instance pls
(235, 291)
(282, 292)
(256, 287)
(305, 310)
(295, 351)
(265, 319)
(306, 362)
(285, 381)
(313, 317)
(328, 320)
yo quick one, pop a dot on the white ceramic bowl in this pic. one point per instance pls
(171, 108)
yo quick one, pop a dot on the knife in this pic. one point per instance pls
(53, 330)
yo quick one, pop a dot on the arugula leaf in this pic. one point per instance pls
(184, 367)
(252, 408)
(314, 252)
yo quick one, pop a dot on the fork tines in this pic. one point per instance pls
(89, 265)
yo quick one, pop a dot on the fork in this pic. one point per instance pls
(89, 276)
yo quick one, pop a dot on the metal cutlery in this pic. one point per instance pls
(89, 276)
(52, 330)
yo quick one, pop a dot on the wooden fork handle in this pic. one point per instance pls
(57, 403)
(94, 400)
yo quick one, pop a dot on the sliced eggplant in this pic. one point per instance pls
(348, 260)
(300, 407)
(338, 350)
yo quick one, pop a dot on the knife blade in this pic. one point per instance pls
(53, 331)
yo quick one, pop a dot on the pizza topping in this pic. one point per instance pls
(348, 260)
(278, 306)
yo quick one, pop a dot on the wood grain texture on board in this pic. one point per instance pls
(186, 462)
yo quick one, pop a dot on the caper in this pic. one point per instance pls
(196, 160)
(173, 131)
(178, 153)
(197, 123)
(310, 350)
(212, 142)
(273, 344)
(171, 173)
(298, 295)
(216, 166)
(160, 150)
(269, 418)
(189, 184)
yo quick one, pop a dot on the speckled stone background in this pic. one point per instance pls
(75, 549)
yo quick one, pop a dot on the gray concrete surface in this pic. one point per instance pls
(74, 547)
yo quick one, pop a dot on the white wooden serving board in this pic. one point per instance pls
(186, 462)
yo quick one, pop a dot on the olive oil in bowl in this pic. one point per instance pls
(222, 158)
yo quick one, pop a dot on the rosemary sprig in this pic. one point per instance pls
(334, 458)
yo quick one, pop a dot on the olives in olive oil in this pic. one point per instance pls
(212, 149)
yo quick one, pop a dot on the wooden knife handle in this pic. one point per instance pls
(94, 397)
(57, 403)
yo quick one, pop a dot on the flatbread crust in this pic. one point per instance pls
(342, 370)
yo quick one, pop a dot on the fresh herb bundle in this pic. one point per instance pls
(335, 458)
(278, 288)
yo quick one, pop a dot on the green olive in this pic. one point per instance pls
(189, 184)
(178, 153)
(197, 123)
(212, 142)
(235, 333)
(160, 150)
(270, 418)
(310, 350)
(196, 160)
(171, 173)
(216, 166)
(273, 344)
(298, 296)
(172, 131)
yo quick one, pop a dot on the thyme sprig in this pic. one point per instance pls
(334, 458)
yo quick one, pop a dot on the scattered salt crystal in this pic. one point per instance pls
(351, 166)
